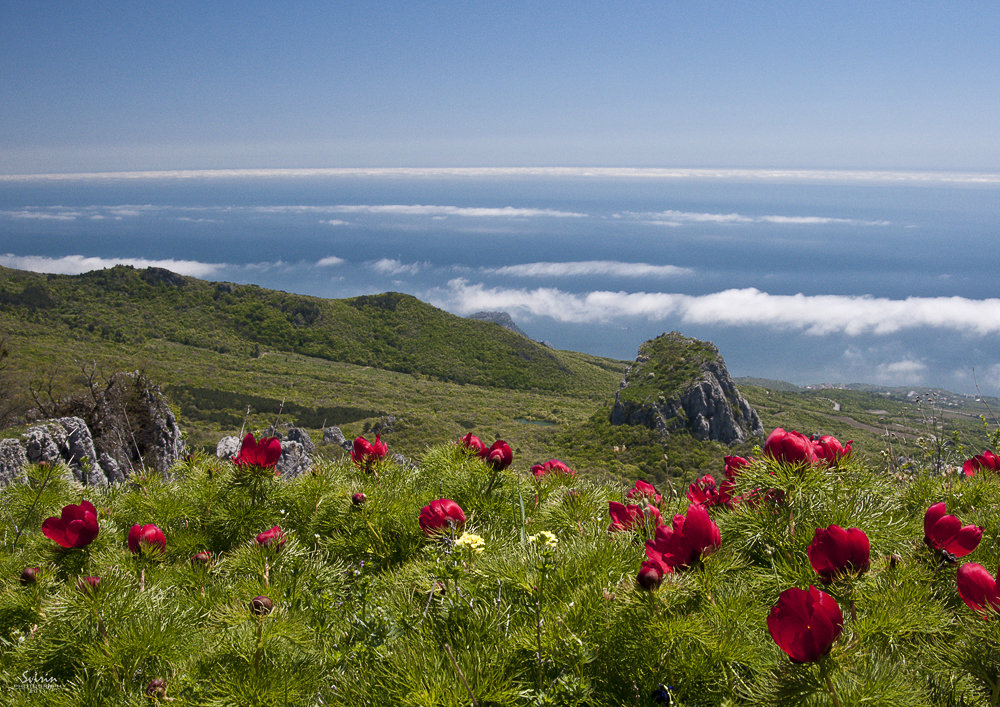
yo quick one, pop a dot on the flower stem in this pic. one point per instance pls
(829, 686)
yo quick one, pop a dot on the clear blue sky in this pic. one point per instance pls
(94, 86)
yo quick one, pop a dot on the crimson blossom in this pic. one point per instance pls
(643, 489)
(829, 449)
(703, 491)
(836, 551)
(365, 454)
(805, 623)
(275, 536)
(986, 460)
(552, 466)
(75, 527)
(727, 489)
(946, 533)
(439, 515)
(473, 444)
(263, 453)
(978, 588)
(146, 536)
(688, 538)
(790, 447)
(632, 516)
(499, 456)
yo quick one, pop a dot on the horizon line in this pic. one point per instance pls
(759, 174)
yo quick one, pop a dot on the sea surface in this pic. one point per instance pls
(803, 276)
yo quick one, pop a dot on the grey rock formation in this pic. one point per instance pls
(227, 447)
(13, 461)
(298, 434)
(384, 426)
(66, 441)
(501, 318)
(293, 460)
(682, 384)
(333, 435)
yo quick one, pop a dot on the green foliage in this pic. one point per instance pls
(543, 610)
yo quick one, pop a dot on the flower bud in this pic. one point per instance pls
(261, 606)
(30, 575)
(157, 688)
(359, 499)
(88, 584)
(202, 558)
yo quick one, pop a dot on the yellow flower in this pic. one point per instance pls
(473, 542)
(545, 538)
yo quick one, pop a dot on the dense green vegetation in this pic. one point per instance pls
(368, 610)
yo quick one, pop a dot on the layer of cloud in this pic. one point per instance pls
(671, 217)
(392, 267)
(77, 264)
(648, 173)
(435, 210)
(811, 314)
(581, 268)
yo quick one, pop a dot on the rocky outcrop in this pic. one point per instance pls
(294, 459)
(115, 429)
(501, 318)
(67, 441)
(333, 435)
(13, 461)
(681, 384)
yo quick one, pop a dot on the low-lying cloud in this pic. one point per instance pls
(392, 267)
(749, 307)
(77, 264)
(671, 217)
(437, 210)
(580, 268)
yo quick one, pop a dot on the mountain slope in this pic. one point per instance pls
(391, 331)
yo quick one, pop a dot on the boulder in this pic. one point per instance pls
(333, 435)
(227, 448)
(293, 460)
(66, 441)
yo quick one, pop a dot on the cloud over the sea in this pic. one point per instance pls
(77, 264)
(810, 314)
(580, 268)
(671, 217)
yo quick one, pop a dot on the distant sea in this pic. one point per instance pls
(805, 276)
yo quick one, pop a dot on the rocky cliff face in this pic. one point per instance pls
(678, 384)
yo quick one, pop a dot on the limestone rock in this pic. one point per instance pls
(13, 461)
(227, 448)
(333, 435)
(677, 383)
(293, 460)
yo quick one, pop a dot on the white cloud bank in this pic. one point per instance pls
(671, 217)
(580, 268)
(77, 264)
(436, 210)
(391, 266)
(765, 175)
(811, 314)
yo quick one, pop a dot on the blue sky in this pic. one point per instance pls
(100, 86)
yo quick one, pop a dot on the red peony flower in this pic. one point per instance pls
(805, 623)
(365, 454)
(835, 551)
(643, 490)
(790, 447)
(727, 489)
(473, 444)
(201, 558)
(275, 536)
(146, 536)
(631, 516)
(986, 460)
(76, 527)
(688, 539)
(946, 533)
(978, 588)
(552, 466)
(439, 515)
(829, 449)
(703, 491)
(499, 456)
(263, 453)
